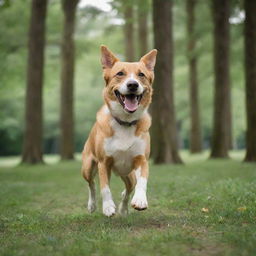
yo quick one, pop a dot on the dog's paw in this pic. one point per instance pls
(91, 206)
(139, 201)
(109, 208)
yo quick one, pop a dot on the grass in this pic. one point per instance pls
(206, 207)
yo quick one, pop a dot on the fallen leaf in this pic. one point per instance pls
(205, 210)
(241, 209)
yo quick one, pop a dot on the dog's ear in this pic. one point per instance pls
(149, 60)
(108, 59)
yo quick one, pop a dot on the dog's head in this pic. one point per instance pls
(128, 88)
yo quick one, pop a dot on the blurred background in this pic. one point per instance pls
(127, 28)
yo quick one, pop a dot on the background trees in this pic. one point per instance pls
(67, 80)
(221, 135)
(143, 15)
(128, 12)
(164, 131)
(32, 145)
(250, 79)
(104, 25)
(195, 144)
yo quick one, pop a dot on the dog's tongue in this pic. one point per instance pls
(131, 103)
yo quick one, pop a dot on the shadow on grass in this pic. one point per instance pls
(133, 222)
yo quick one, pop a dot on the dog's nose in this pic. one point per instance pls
(132, 86)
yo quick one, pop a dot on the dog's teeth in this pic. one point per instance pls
(139, 97)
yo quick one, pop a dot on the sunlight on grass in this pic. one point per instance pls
(11, 161)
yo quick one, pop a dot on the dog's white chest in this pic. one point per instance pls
(123, 147)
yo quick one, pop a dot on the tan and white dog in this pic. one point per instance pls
(119, 140)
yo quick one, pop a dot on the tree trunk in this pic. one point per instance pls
(195, 122)
(129, 31)
(143, 27)
(250, 78)
(67, 80)
(32, 144)
(164, 130)
(221, 136)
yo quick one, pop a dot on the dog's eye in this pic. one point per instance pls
(120, 73)
(141, 74)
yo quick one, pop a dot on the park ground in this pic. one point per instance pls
(205, 207)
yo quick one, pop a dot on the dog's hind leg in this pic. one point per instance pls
(129, 182)
(88, 172)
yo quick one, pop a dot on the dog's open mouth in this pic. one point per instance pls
(129, 102)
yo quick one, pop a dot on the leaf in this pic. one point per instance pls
(204, 210)
(242, 209)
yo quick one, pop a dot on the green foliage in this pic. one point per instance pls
(13, 29)
(43, 210)
(204, 52)
(96, 27)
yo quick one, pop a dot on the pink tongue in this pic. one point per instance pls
(131, 104)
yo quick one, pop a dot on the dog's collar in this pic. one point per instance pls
(124, 123)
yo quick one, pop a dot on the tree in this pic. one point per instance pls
(129, 30)
(32, 144)
(143, 7)
(67, 80)
(195, 122)
(164, 131)
(250, 78)
(221, 134)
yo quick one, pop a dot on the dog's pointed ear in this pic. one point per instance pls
(149, 60)
(108, 59)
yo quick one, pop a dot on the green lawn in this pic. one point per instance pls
(42, 211)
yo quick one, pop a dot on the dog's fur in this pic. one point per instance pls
(119, 140)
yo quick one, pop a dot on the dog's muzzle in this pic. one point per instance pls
(130, 102)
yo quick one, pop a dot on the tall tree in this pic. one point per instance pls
(129, 30)
(220, 143)
(195, 122)
(143, 8)
(67, 80)
(32, 144)
(250, 78)
(164, 131)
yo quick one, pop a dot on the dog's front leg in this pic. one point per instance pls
(139, 200)
(108, 205)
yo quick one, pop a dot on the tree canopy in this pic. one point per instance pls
(95, 27)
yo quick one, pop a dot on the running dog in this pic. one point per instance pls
(119, 140)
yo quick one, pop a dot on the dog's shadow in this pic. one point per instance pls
(134, 221)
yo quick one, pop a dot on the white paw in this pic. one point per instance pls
(139, 201)
(91, 206)
(109, 208)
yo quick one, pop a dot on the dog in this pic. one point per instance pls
(119, 140)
